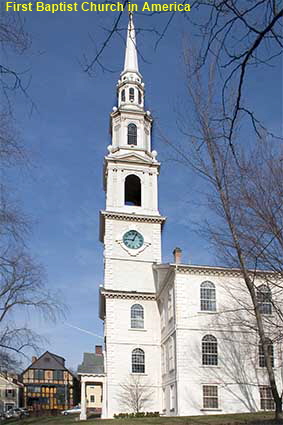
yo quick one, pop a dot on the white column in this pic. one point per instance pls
(104, 401)
(83, 401)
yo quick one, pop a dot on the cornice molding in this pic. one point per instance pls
(131, 159)
(207, 271)
(133, 217)
(108, 293)
(211, 270)
(125, 110)
(216, 271)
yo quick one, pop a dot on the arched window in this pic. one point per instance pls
(264, 299)
(132, 94)
(133, 190)
(137, 316)
(138, 361)
(207, 296)
(261, 358)
(140, 98)
(132, 134)
(123, 96)
(209, 350)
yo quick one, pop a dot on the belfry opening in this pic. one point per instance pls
(133, 190)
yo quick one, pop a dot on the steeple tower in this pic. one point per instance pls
(130, 229)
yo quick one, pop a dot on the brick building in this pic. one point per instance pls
(48, 384)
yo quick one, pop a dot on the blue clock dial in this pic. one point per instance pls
(133, 239)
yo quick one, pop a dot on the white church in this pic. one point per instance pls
(178, 328)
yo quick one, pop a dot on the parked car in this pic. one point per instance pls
(13, 413)
(76, 409)
(24, 411)
(16, 412)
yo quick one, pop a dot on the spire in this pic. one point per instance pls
(130, 88)
(131, 57)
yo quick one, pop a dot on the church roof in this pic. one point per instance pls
(92, 363)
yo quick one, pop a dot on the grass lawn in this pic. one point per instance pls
(238, 419)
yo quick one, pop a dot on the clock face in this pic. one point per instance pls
(133, 239)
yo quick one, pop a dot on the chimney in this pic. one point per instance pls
(177, 255)
(98, 350)
(34, 358)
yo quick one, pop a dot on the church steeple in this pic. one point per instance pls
(130, 86)
(130, 229)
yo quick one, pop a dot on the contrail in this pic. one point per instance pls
(84, 330)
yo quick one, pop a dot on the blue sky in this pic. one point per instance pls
(67, 138)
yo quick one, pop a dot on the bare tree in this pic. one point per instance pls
(135, 394)
(22, 287)
(22, 279)
(13, 38)
(9, 362)
(261, 197)
(246, 198)
(239, 35)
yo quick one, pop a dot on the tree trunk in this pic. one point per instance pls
(278, 409)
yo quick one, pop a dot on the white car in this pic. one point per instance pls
(15, 412)
(75, 409)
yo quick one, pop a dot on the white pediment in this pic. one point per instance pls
(133, 157)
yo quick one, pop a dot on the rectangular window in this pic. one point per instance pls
(30, 374)
(58, 375)
(265, 308)
(48, 375)
(38, 374)
(60, 395)
(210, 396)
(92, 398)
(10, 393)
(170, 304)
(162, 318)
(172, 398)
(171, 353)
(33, 389)
(266, 398)
(163, 370)
(166, 357)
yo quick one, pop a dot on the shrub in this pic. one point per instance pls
(136, 415)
